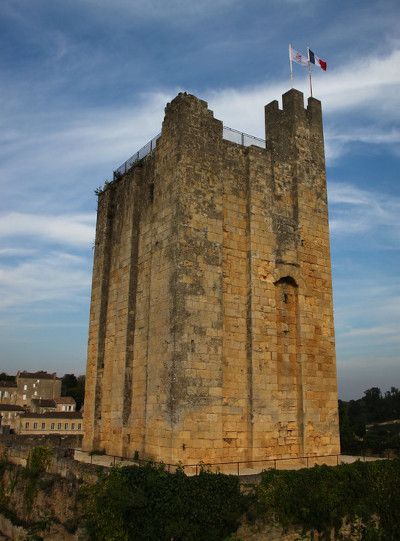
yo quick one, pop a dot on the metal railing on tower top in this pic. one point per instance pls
(235, 136)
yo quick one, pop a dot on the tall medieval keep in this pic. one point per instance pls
(211, 331)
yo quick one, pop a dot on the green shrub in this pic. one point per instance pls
(147, 503)
(319, 498)
(39, 459)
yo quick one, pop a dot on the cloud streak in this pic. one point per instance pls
(56, 277)
(354, 210)
(71, 230)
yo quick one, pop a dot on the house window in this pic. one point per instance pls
(63, 408)
(43, 426)
(59, 426)
(66, 426)
(34, 426)
(35, 393)
(69, 408)
(5, 394)
(0, 394)
(79, 426)
(72, 426)
(52, 426)
(25, 387)
(34, 385)
(24, 397)
(26, 426)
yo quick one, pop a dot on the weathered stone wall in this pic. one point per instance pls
(211, 329)
(55, 494)
(16, 450)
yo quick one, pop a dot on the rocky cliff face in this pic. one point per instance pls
(47, 504)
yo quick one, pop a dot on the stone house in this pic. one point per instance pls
(54, 422)
(36, 385)
(63, 403)
(9, 414)
(8, 392)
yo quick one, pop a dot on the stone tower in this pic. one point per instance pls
(211, 327)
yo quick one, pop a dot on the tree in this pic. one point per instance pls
(6, 377)
(373, 402)
(75, 387)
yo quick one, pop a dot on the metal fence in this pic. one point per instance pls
(241, 138)
(229, 134)
(147, 149)
(246, 467)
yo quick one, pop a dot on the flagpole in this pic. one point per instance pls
(309, 67)
(291, 67)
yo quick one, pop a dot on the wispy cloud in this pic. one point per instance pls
(159, 9)
(72, 230)
(56, 277)
(354, 210)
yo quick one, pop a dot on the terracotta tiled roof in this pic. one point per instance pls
(53, 415)
(44, 402)
(8, 383)
(64, 400)
(11, 407)
(37, 375)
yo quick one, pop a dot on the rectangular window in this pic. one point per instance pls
(79, 426)
(25, 387)
(0, 394)
(66, 426)
(59, 426)
(72, 426)
(27, 425)
(24, 397)
(34, 426)
(5, 394)
(52, 426)
(43, 426)
(35, 393)
(34, 385)
(63, 408)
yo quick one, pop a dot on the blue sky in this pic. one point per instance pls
(83, 86)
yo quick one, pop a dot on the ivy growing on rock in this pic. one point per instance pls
(39, 460)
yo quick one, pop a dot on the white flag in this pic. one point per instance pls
(297, 57)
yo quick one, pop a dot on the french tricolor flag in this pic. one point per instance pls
(315, 60)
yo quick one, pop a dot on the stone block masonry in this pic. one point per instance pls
(211, 330)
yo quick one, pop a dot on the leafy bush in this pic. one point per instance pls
(147, 503)
(319, 498)
(39, 459)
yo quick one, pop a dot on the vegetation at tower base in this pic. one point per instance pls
(367, 495)
(147, 503)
